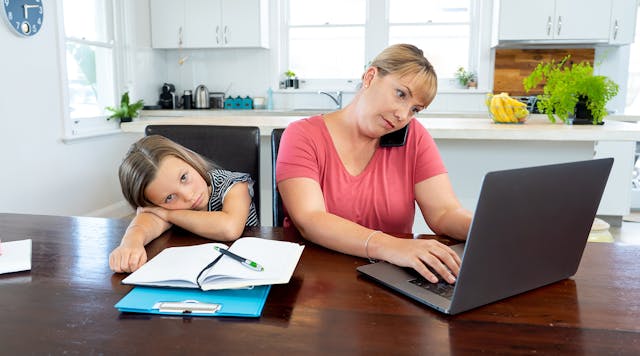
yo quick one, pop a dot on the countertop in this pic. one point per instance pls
(441, 125)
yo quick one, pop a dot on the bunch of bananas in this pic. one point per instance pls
(505, 109)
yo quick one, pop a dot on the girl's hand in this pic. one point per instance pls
(127, 259)
(418, 253)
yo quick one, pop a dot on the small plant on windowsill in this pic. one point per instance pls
(466, 79)
(292, 80)
(571, 92)
(126, 111)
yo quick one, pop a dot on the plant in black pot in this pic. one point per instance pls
(126, 111)
(571, 92)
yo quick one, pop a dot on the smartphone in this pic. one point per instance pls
(395, 139)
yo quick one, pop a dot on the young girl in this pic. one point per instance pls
(171, 185)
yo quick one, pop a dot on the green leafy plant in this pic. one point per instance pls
(566, 85)
(465, 77)
(126, 111)
(289, 74)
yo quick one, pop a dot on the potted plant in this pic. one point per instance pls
(126, 111)
(292, 80)
(467, 79)
(571, 92)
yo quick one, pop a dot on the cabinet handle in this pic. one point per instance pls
(549, 24)
(217, 34)
(226, 34)
(615, 29)
(180, 36)
(559, 24)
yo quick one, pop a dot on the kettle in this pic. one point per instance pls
(201, 96)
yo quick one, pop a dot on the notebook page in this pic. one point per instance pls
(175, 266)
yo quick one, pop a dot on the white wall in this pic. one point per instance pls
(40, 173)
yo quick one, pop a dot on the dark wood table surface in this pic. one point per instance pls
(64, 305)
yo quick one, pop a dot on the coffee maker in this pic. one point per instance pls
(168, 97)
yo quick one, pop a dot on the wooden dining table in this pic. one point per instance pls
(65, 305)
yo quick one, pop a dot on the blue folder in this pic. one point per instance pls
(179, 301)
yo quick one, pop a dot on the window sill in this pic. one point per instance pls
(88, 135)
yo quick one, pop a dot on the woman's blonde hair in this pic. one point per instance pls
(140, 165)
(408, 60)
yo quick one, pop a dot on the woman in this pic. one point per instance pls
(341, 189)
(171, 185)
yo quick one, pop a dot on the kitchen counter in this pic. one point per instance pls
(441, 126)
(470, 144)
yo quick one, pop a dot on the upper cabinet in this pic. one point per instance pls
(209, 23)
(564, 21)
(623, 22)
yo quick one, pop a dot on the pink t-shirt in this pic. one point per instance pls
(382, 196)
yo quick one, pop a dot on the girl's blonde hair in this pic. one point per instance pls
(140, 165)
(408, 60)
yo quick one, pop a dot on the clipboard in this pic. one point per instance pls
(195, 302)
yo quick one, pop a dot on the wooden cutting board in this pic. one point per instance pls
(513, 65)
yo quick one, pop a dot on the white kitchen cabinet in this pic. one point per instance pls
(209, 23)
(623, 22)
(559, 21)
(167, 23)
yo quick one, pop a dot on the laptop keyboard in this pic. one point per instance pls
(441, 288)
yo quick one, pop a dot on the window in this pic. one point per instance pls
(90, 67)
(633, 84)
(440, 28)
(335, 39)
(318, 33)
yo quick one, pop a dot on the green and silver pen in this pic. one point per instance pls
(246, 262)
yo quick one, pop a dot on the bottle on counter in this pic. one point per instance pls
(269, 99)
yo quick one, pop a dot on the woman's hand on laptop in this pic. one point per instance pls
(418, 254)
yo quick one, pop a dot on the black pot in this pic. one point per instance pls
(289, 83)
(125, 119)
(582, 114)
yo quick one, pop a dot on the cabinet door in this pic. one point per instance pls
(167, 19)
(202, 26)
(244, 23)
(523, 20)
(623, 21)
(584, 20)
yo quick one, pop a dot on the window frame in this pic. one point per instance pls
(377, 27)
(86, 127)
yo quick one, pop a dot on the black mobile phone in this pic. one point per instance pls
(395, 139)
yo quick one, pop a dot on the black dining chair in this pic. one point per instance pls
(234, 148)
(278, 211)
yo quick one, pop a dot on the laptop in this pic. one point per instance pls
(529, 229)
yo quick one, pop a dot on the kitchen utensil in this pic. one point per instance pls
(187, 100)
(216, 100)
(201, 97)
(167, 97)
(259, 103)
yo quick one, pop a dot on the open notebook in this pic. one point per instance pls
(201, 266)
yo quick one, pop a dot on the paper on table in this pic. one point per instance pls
(16, 256)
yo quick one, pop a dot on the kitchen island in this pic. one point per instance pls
(471, 146)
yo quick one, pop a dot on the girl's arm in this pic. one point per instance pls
(305, 204)
(130, 255)
(441, 209)
(225, 225)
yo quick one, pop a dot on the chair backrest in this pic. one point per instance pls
(234, 148)
(278, 212)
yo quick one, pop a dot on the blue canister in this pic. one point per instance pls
(237, 103)
(229, 103)
(247, 103)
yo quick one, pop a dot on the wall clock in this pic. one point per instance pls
(24, 16)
